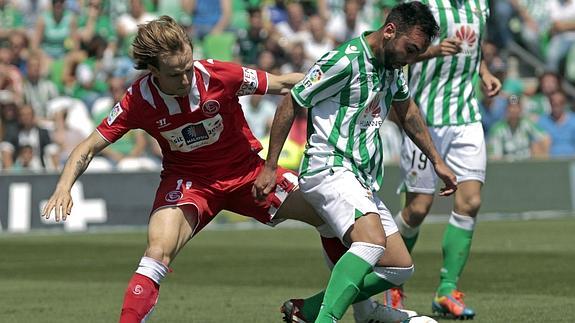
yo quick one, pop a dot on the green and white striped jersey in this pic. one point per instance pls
(505, 143)
(443, 87)
(348, 93)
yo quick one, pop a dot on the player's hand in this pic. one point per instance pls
(491, 84)
(61, 202)
(448, 47)
(448, 178)
(264, 183)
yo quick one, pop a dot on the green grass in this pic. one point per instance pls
(519, 271)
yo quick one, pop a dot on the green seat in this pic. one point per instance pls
(219, 46)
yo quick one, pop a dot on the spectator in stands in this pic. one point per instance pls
(346, 26)
(493, 108)
(89, 72)
(19, 45)
(30, 134)
(295, 28)
(94, 21)
(37, 89)
(127, 25)
(208, 16)
(251, 41)
(11, 19)
(267, 62)
(296, 62)
(26, 161)
(55, 31)
(8, 127)
(560, 124)
(562, 33)
(537, 103)
(259, 112)
(276, 12)
(318, 42)
(10, 77)
(535, 18)
(517, 137)
(65, 137)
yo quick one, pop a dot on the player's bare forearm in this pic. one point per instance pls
(79, 160)
(414, 126)
(282, 84)
(283, 120)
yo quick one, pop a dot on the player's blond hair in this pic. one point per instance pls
(156, 38)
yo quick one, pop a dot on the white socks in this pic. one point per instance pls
(152, 269)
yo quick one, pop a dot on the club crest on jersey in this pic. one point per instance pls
(211, 107)
(313, 76)
(174, 196)
(468, 37)
(114, 113)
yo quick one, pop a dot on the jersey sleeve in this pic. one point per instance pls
(239, 80)
(325, 79)
(402, 93)
(119, 120)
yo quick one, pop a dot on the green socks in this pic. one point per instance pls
(372, 285)
(346, 279)
(456, 247)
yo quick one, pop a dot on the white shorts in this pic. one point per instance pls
(463, 149)
(339, 198)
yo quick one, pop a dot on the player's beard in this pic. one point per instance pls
(389, 56)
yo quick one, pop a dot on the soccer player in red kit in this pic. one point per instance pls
(210, 156)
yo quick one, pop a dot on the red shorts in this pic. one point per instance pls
(235, 195)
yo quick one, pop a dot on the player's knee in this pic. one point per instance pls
(415, 213)
(470, 205)
(395, 275)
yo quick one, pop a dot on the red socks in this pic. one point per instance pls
(139, 299)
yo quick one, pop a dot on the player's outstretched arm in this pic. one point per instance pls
(412, 122)
(282, 84)
(283, 120)
(61, 200)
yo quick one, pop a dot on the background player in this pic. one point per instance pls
(443, 87)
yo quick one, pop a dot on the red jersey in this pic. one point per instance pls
(204, 133)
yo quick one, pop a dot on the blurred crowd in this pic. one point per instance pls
(64, 64)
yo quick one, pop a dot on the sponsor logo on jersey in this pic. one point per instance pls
(372, 114)
(468, 37)
(195, 135)
(250, 82)
(313, 76)
(174, 196)
(211, 107)
(114, 113)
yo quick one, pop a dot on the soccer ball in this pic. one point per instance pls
(420, 319)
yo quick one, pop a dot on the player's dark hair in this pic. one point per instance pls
(413, 14)
(156, 38)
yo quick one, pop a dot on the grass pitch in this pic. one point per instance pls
(519, 271)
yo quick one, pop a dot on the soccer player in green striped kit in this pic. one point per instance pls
(442, 84)
(349, 92)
